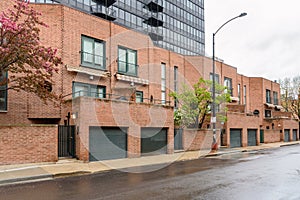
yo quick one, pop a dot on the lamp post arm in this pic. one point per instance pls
(226, 23)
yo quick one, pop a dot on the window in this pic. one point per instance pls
(275, 98)
(268, 96)
(268, 113)
(239, 92)
(3, 91)
(127, 61)
(176, 85)
(163, 83)
(245, 95)
(139, 96)
(83, 89)
(228, 85)
(217, 80)
(92, 53)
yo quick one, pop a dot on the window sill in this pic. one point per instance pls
(3, 111)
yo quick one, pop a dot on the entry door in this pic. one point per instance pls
(107, 143)
(262, 139)
(178, 139)
(235, 137)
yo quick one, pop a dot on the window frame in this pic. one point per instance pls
(4, 87)
(228, 80)
(126, 72)
(268, 96)
(89, 91)
(93, 63)
(136, 96)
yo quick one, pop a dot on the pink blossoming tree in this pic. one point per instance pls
(29, 64)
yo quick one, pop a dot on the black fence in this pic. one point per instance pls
(66, 141)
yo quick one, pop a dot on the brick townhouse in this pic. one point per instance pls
(115, 85)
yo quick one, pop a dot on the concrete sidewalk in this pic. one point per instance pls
(44, 171)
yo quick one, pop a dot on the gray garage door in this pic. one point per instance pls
(154, 141)
(252, 137)
(295, 134)
(235, 137)
(107, 143)
(286, 135)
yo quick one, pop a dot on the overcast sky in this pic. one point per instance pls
(265, 43)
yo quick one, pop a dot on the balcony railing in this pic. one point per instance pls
(116, 97)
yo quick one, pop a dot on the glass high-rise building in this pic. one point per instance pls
(176, 25)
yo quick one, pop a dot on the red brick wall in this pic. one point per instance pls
(198, 139)
(272, 136)
(28, 144)
(134, 116)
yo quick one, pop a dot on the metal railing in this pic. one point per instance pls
(117, 97)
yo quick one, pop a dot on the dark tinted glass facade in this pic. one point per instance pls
(176, 25)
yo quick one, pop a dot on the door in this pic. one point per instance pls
(66, 141)
(286, 135)
(178, 139)
(252, 137)
(107, 143)
(235, 137)
(262, 140)
(154, 141)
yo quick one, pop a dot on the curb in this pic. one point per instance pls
(26, 179)
(283, 145)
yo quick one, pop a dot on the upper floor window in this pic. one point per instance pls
(92, 53)
(217, 79)
(268, 96)
(275, 98)
(3, 91)
(239, 92)
(139, 96)
(127, 61)
(163, 83)
(228, 85)
(245, 95)
(84, 89)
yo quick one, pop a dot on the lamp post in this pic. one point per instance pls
(214, 119)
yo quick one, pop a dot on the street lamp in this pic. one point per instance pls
(214, 119)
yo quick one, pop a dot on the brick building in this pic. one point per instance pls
(115, 83)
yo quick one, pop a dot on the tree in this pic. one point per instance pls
(290, 94)
(30, 65)
(194, 104)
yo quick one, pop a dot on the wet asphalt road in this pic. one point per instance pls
(272, 174)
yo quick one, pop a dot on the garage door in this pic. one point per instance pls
(107, 143)
(295, 134)
(154, 141)
(235, 137)
(286, 135)
(252, 137)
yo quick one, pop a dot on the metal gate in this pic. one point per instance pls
(295, 134)
(252, 137)
(178, 139)
(235, 137)
(66, 141)
(106, 143)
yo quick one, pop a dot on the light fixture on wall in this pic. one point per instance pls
(91, 77)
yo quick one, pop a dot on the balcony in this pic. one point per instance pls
(106, 3)
(153, 19)
(155, 33)
(154, 5)
(103, 12)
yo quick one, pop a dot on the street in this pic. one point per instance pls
(267, 174)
